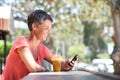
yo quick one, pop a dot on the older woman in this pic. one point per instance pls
(27, 53)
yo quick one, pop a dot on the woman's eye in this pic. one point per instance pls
(47, 28)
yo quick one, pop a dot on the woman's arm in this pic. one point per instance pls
(28, 59)
(66, 65)
(49, 57)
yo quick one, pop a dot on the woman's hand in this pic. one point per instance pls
(41, 69)
(68, 65)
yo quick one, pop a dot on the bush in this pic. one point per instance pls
(9, 44)
(103, 56)
(80, 51)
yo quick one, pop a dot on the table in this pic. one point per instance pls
(70, 75)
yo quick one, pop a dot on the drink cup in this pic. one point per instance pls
(56, 61)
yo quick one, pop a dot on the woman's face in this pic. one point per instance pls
(43, 30)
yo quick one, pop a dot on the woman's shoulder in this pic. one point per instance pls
(20, 40)
(41, 45)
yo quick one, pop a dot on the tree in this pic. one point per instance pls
(95, 17)
(93, 39)
(115, 10)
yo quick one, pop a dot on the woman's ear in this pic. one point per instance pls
(34, 26)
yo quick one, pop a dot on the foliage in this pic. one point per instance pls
(93, 38)
(80, 51)
(20, 32)
(103, 56)
(9, 44)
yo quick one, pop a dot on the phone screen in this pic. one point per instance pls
(74, 58)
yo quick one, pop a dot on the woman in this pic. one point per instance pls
(27, 53)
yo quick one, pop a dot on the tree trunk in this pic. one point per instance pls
(116, 24)
(115, 11)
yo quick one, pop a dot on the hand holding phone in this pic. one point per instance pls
(74, 58)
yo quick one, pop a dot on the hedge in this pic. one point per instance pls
(9, 44)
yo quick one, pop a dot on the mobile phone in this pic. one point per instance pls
(74, 59)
